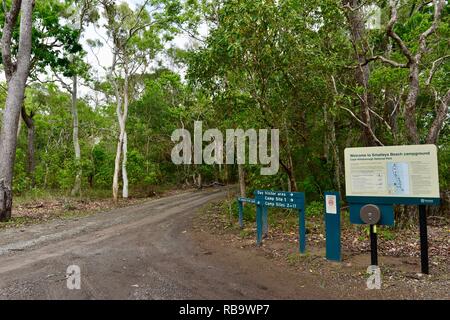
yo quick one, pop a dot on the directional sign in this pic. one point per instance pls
(281, 194)
(240, 200)
(249, 200)
(284, 200)
(280, 199)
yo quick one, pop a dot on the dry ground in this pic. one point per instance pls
(399, 253)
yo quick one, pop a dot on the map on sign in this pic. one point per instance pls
(398, 178)
(396, 171)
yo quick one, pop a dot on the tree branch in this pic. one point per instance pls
(10, 22)
(364, 124)
(393, 35)
(434, 67)
(439, 120)
(438, 6)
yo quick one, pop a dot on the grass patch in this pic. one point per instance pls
(296, 258)
(17, 222)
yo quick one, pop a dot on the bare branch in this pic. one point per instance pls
(438, 6)
(439, 120)
(334, 85)
(347, 6)
(363, 124)
(388, 61)
(434, 67)
(63, 83)
(381, 118)
(354, 116)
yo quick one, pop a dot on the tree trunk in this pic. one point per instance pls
(291, 174)
(410, 104)
(76, 143)
(124, 166)
(241, 174)
(356, 22)
(31, 163)
(289, 185)
(117, 167)
(19, 126)
(16, 77)
(439, 120)
(290, 166)
(125, 138)
(199, 180)
(337, 160)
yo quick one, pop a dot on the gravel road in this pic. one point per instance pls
(146, 251)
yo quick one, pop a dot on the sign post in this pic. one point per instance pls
(376, 178)
(259, 223)
(241, 213)
(373, 245)
(279, 199)
(332, 226)
(240, 202)
(423, 239)
(265, 223)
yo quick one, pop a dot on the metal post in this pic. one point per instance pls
(259, 210)
(241, 213)
(265, 222)
(332, 226)
(373, 245)
(423, 239)
(302, 229)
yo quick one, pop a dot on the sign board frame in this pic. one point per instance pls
(394, 174)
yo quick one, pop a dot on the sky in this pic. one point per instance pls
(104, 54)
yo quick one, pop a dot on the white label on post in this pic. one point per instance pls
(330, 201)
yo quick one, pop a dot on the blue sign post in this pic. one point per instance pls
(240, 202)
(279, 199)
(333, 226)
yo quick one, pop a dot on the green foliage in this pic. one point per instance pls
(315, 209)
(288, 65)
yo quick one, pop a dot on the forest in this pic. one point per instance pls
(93, 89)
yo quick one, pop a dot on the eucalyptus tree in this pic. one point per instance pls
(40, 41)
(413, 38)
(16, 72)
(81, 14)
(415, 51)
(134, 37)
(270, 55)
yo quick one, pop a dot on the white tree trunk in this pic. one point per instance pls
(117, 167)
(76, 143)
(16, 76)
(124, 166)
(125, 138)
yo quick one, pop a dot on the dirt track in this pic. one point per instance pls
(146, 251)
